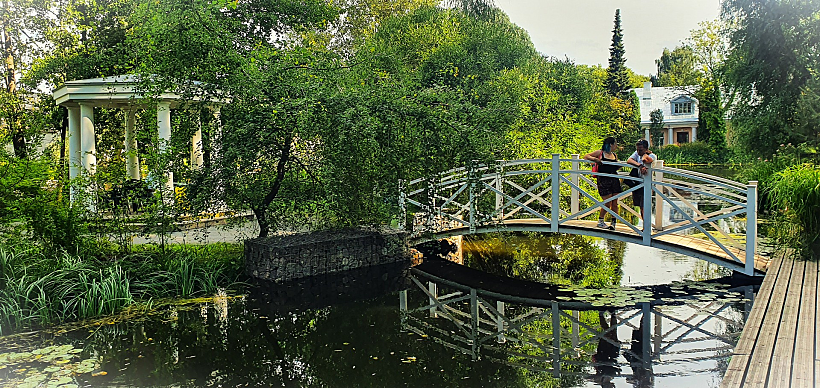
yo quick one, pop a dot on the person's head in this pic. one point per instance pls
(609, 144)
(641, 146)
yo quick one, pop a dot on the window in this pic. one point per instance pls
(683, 137)
(680, 108)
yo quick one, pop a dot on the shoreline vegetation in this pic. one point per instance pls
(40, 289)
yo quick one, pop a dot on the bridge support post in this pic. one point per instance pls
(576, 328)
(499, 321)
(556, 339)
(658, 199)
(574, 204)
(646, 321)
(555, 179)
(403, 307)
(474, 321)
(646, 207)
(402, 206)
(499, 185)
(471, 179)
(657, 339)
(431, 287)
(751, 226)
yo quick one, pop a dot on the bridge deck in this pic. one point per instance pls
(778, 347)
(693, 246)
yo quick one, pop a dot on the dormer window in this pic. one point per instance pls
(680, 108)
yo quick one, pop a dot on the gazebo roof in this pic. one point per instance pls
(119, 91)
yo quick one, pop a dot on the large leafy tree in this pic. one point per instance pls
(773, 66)
(676, 68)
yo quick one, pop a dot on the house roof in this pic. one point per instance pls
(652, 98)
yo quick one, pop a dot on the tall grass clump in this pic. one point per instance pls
(38, 288)
(794, 193)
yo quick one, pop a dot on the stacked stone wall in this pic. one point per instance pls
(295, 256)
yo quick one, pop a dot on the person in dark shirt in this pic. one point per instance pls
(607, 185)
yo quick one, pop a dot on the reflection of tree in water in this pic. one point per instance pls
(355, 345)
(544, 257)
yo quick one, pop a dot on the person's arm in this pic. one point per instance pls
(631, 161)
(594, 156)
(648, 157)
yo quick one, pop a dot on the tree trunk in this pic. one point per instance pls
(261, 212)
(18, 140)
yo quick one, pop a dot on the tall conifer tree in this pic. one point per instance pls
(617, 80)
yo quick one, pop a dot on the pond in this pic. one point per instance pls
(374, 328)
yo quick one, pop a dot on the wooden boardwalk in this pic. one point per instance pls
(778, 347)
(692, 246)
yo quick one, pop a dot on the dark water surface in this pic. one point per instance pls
(349, 331)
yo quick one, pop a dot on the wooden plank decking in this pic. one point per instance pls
(781, 335)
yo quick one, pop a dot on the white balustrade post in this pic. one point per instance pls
(555, 176)
(647, 208)
(75, 158)
(574, 204)
(751, 226)
(132, 163)
(658, 167)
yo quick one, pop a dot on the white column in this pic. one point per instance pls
(164, 125)
(671, 140)
(132, 162)
(197, 159)
(88, 144)
(694, 134)
(647, 137)
(216, 139)
(75, 160)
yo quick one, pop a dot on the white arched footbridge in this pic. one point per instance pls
(700, 215)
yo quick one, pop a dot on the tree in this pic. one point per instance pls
(772, 66)
(617, 81)
(676, 68)
(656, 126)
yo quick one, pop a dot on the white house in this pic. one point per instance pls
(680, 111)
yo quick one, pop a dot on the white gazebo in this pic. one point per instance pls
(80, 97)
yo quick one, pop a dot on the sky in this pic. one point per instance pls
(582, 29)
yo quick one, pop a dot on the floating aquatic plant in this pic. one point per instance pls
(52, 366)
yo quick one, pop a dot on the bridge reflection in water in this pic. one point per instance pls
(642, 339)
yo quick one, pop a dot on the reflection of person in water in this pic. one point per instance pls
(605, 358)
(641, 371)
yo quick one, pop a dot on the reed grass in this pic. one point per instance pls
(38, 290)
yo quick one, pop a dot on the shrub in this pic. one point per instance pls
(692, 153)
(795, 193)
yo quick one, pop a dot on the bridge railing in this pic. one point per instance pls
(538, 191)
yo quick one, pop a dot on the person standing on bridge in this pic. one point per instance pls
(642, 159)
(607, 185)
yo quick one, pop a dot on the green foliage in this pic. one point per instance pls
(617, 81)
(43, 288)
(698, 152)
(795, 193)
(677, 68)
(773, 68)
